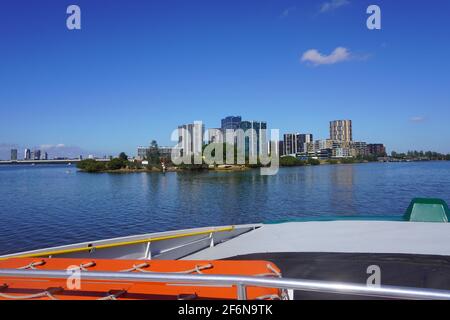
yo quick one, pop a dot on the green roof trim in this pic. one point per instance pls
(427, 210)
(336, 218)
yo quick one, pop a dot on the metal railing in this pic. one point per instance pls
(241, 282)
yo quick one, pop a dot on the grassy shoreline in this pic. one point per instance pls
(117, 166)
(168, 169)
(154, 169)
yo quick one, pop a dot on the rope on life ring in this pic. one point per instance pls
(47, 293)
(198, 269)
(32, 265)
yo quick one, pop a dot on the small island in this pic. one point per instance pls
(155, 162)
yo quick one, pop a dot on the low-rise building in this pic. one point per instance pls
(165, 152)
(324, 154)
(327, 144)
(376, 149)
(342, 153)
(144, 152)
(359, 148)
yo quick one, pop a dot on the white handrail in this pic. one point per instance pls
(243, 281)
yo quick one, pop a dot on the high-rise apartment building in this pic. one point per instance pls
(228, 127)
(37, 155)
(190, 138)
(290, 143)
(341, 130)
(231, 122)
(215, 135)
(13, 154)
(281, 148)
(255, 141)
(302, 140)
(27, 154)
(260, 128)
(296, 142)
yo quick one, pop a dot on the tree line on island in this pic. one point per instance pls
(123, 163)
(92, 165)
(289, 161)
(420, 155)
(156, 162)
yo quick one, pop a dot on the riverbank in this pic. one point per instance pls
(123, 166)
(224, 168)
(136, 170)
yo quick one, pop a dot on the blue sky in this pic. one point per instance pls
(137, 69)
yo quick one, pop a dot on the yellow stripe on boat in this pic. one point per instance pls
(118, 244)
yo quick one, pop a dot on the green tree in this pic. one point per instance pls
(153, 154)
(332, 161)
(290, 161)
(123, 156)
(117, 163)
(313, 162)
(347, 160)
(91, 165)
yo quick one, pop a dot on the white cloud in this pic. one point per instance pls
(417, 119)
(287, 12)
(333, 5)
(51, 146)
(314, 57)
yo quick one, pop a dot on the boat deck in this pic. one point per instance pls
(408, 254)
(337, 236)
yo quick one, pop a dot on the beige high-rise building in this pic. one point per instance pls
(341, 130)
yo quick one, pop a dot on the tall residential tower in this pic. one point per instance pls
(341, 130)
(13, 154)
(190, 138)
(294, 143)
(27, 154)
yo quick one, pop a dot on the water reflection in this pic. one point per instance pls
(223, 196)
(342, 190)
(38, 203)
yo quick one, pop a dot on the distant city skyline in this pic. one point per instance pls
(138, 69)
(51, 151)
(60, 150)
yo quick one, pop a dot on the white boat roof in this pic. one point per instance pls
(337, 236)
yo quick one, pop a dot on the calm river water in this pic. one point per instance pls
(48, 205)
